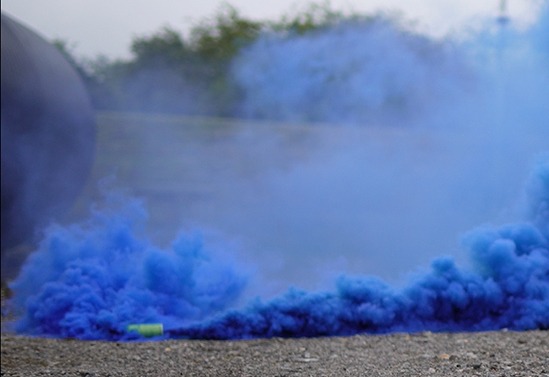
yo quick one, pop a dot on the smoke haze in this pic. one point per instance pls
(408, 145)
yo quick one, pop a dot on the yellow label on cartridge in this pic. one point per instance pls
(147, 329)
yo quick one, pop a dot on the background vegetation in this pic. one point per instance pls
(190, 75)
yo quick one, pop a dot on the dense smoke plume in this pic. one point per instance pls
(91, 281)
(442, 140)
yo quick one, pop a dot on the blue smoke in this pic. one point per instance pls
(89, 281)
(361, 72)
(508, 287)
(436, 127)
(373, 72)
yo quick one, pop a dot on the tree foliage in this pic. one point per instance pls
(220, 38)
(170, 73)
(164, 49)
(313, 17)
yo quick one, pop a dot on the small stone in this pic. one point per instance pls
(471, 355)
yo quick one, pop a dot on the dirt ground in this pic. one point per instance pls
(501, 353)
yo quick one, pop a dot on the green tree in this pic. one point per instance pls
(313, 17)
(219, 39)
(162, 76)
(164, 48)
(170, 73)
(216, 41)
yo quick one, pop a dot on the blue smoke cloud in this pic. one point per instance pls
(446, 126)
(90, 280)
(374, 72)
(507, 288)
(361, 72)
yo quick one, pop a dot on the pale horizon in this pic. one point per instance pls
(107, 28)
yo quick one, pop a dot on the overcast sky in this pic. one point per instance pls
(107, 26)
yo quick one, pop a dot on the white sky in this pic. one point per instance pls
(107, 26)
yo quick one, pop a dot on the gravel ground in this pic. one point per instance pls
(502, 353)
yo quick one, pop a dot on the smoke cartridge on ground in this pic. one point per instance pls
(146, 330)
